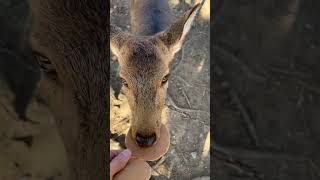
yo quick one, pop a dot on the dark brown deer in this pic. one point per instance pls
(144, 57)
(69, 40)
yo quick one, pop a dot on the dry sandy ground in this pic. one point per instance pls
(187, 103)
(29, 151)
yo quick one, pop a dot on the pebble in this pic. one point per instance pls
(194, 155)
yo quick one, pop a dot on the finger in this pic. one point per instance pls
(114, 153)
(119, 162)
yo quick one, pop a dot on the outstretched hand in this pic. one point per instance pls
(118, 161)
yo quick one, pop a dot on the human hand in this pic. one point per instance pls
(118, 160)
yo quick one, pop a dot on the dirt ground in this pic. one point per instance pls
(188, 102)
(266, 90)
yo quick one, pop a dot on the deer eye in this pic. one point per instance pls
(165, 79)
(124, 82)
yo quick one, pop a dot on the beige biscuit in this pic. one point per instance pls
(150, 153)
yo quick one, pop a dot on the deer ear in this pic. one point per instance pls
(116, 39)
(174, 36)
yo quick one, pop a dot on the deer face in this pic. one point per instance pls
(69, 41)
(144, 71)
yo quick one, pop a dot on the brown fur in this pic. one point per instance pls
(72, 36)
(144, 59)
(149, 17)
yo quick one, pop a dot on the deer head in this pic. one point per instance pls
(144, 70)
(69, 41)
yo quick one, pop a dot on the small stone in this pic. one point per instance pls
(114, 145)
(114, 58)
(194, 155)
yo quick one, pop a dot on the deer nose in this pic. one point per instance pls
(144, 141)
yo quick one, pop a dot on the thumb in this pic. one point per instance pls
(119, 162)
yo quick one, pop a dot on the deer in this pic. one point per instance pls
(145, 57)
(69, 40)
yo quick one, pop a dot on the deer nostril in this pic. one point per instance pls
(143, 141)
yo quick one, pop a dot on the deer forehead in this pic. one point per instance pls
(144, 59)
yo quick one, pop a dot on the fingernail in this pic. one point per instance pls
(126, 153)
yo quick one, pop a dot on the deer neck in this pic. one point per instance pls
(149, 17)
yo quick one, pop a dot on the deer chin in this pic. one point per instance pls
(154, 152)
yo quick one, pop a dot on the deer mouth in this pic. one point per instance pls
(150, 148)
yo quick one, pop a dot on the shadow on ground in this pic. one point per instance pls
(266, 79)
